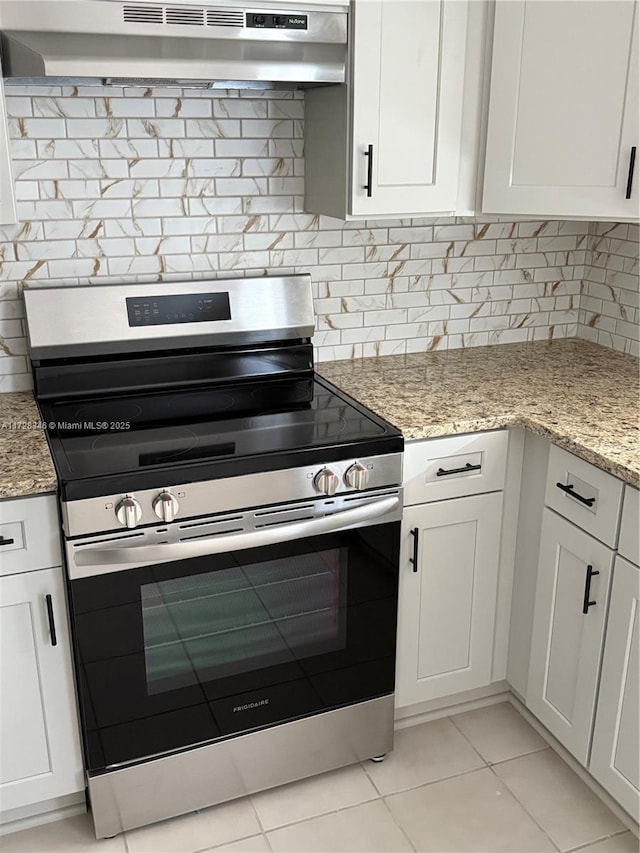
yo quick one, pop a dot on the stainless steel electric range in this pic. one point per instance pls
(231, 525)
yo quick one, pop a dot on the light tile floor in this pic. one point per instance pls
(482, 781)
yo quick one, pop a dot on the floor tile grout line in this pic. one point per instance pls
(267, 842)
(322, 814)
(486, 760)
(527, 812)
(379, 796)
(203, 849)
(256, 813)
(468, 740)
(221, 847)
(398, 824)
(435, 781)
(596, 841)
(520, 755)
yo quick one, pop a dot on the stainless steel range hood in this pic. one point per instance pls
(179, 42)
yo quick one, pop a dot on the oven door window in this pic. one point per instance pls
(179, 654)
(222, 623)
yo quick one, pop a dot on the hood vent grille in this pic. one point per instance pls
(224, 18)
(144, 14)
(194, 16)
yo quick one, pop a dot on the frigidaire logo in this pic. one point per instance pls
(250, 705)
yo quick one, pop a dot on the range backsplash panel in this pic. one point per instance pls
(164, 184)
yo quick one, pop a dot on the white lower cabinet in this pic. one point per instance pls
(574, 573)
(39, 739)
(447, 600)
(615, 755)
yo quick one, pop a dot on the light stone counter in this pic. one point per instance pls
(25, 464)
(579, 395)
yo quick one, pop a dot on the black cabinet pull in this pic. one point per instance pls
(369, 185)
(414, 560)
(632, 163)
(569, 491)
(4, 541)
(442, 472)
(586, 604)
(52, 621)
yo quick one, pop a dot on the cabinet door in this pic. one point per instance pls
(566, 642)
(408, 78)
(39, 734)
(7, 201)
(447, 600)
(615, 756)
(563, 111)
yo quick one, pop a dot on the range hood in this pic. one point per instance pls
(124, 43)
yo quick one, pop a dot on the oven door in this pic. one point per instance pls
(176, 654)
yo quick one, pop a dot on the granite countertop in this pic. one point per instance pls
(25, 464)
(581, 396)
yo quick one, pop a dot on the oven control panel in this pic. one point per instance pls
(264, 488)
(177, 308)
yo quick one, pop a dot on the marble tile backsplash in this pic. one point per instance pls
(609, 311)
(164, 184)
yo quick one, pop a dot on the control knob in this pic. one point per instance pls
(165, 506)
(357, 476)
(128, 511)
(326, 481)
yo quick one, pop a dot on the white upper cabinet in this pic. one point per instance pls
(563, 111)
(389, 142)
(7, 201)
(408, 105)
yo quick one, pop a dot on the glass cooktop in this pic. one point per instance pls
(131, 442)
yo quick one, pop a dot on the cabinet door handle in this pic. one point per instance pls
(586, 604)
(442, 472)
(369, 185)
(414, 560)
(632, 163)
(569, 491)
(4, 541)
(52, 621)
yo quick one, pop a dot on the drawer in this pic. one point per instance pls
(30, 534)
(439, 468)
(586, 495)
(629, 543)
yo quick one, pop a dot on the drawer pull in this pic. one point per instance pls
(414, 560)
(4, 541)
(442, 472)
(52, 621)
(586, 604)
(569, 491)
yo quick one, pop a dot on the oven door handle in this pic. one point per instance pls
(119, 559)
